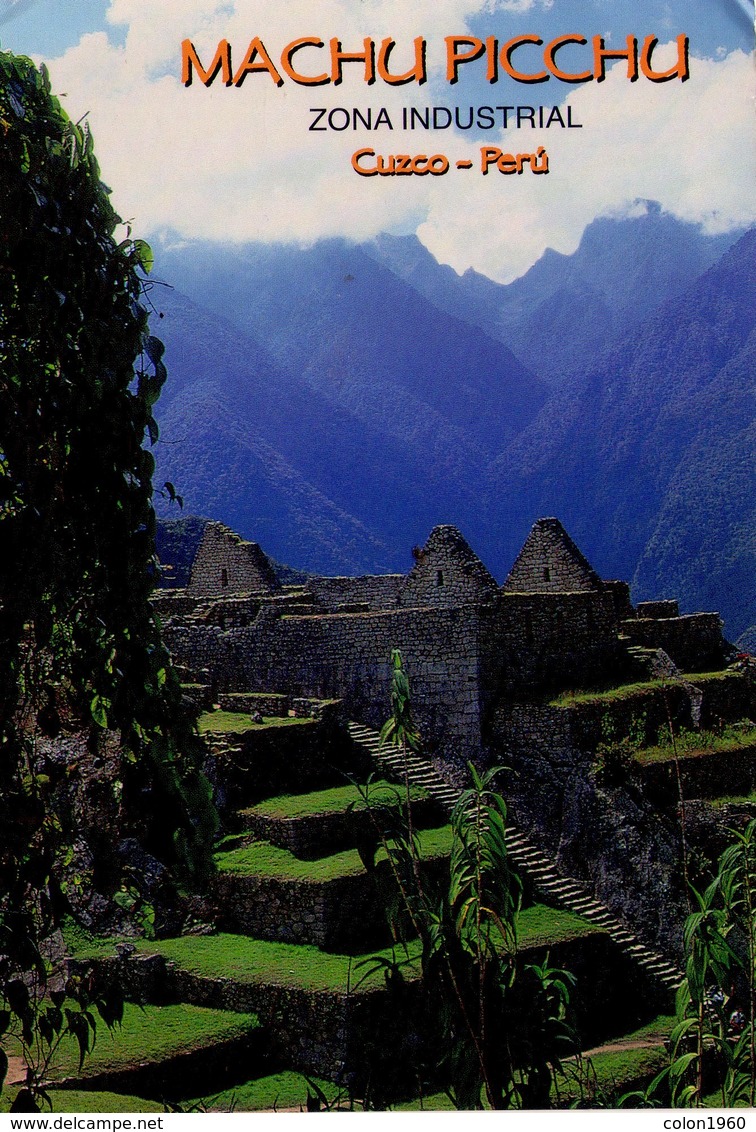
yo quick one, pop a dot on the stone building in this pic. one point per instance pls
(226, 564)
(467, 641)
(494, 673)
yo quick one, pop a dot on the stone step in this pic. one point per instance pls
(542, 869)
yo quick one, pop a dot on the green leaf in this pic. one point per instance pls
(144, 255)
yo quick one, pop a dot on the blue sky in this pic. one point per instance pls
(49, 27)
(241, 163)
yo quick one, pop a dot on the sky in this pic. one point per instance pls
(240, 163)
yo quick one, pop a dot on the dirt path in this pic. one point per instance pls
(620, 1046)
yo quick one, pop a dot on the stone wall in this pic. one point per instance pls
(547, 641)
(694, 642)
(600, 826)
(378, 591)
(711, 775)
(657, 609)
(728, 696)
(459, 660)
(225, 564)
(550, 562)
(348, 656)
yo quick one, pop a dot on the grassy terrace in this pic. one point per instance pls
(264, 859)
(277, 1092)
(255, 962)
(151, 1035)
(337, 800)
(237, 722)
(74, 1100)
(259, 962)
(695, 744)
(541, 926)
(632, 691)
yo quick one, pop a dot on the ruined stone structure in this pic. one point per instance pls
(486, 663)
(225, 564)
(467, 642)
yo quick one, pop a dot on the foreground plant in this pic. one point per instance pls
(79, 645)
(499, 1024)
(713, 1047)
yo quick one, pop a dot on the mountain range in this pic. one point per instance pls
(335, 402)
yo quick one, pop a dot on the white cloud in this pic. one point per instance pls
(240, 163)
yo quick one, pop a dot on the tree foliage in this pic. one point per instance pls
(79, 376)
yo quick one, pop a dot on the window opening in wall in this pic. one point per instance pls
(546, 574)
(224, 577)
(439, 577)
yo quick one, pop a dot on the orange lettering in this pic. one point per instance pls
(550, 60)
(288, 67)
(601, 53)
(416, 73)
(366, 56)
(680, 70)
(250, 67)
(506, 59)
(454, 57)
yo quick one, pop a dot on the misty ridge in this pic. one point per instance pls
(335, 403)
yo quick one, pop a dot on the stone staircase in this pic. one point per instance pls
(542, 870)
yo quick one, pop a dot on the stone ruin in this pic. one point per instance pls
(467, 642)
(488, 665)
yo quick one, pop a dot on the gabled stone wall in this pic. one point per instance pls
(550, 562)
(447, 573)
(226, 564)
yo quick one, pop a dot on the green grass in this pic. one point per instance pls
(732, 800)
(81, 1100)
(609, 1075)
(613, 1072)
(150, 1035)
(696, 744)
(334, 801)
(259, 962)
(436, 1102)
(611, 695)
(287, 1090)
(255, 962)
(237, 722)
(82, 945)
(712, 677)
(263, 859)
(540, 926)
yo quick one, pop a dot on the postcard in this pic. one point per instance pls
(444, 360)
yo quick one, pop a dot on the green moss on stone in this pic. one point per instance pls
(237, 722)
